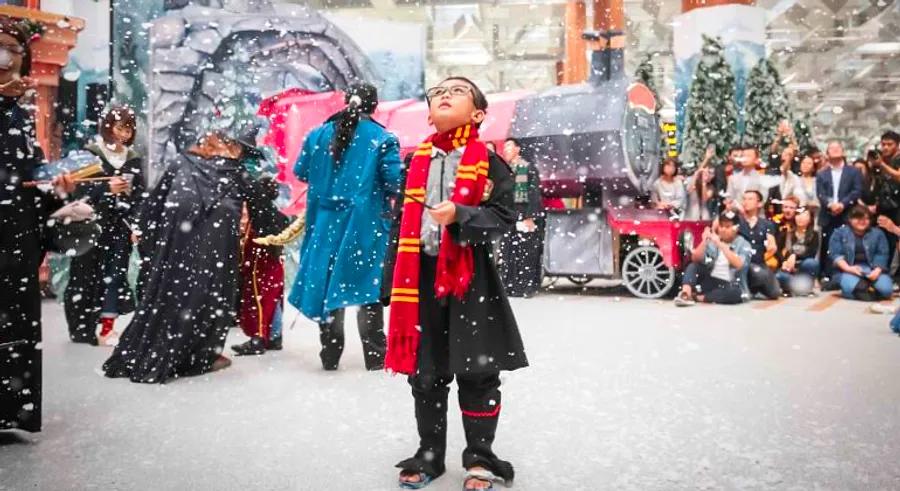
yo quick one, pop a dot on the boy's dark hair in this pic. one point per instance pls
(891, 135)
(14, 28)
(757, 193)
(477, 95)
(514, 141)
(859, 211)
(118, 114)
(728, 216)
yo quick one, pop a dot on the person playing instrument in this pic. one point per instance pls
(98, 290)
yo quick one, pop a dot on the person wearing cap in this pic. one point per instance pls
(23, 214)
(189, 231)
(353, 168)
(718, 269)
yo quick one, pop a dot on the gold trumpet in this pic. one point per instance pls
(82, 174)
(286, 236)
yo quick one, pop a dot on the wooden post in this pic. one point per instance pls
(575, 68)
(688, 5)
(609, 15)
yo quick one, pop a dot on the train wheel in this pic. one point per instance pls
(645, 273)
(580, 280)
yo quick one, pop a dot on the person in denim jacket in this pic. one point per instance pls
(860, 255)
(718, 269)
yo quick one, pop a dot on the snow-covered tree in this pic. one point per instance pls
(804, 133)
(766, 105)
(645, 74)
(711, 113)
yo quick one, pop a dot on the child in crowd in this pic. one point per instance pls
(450, 316)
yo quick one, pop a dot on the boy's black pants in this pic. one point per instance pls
(479, 394)
(479, 402)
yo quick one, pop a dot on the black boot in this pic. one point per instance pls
(331, 335)
(254, 346)
(370, 320)
(275, 344)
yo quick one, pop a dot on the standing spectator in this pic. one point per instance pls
(804, 186)
(718, 269)
(859, 252)
(838, 187)
(353, 168)
(760, 233)
(817, 157)
(799, 248)
(784, 139)
(723, 173)
(701, 191)
(98, 291)
(867, 197)
(667, 192)
(522, 247)
(887, 176)
(748, 179)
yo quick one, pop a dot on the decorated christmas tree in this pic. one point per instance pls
(711, 113)
(766, 105)
(804, 134)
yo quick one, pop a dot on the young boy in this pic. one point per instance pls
(449, 313)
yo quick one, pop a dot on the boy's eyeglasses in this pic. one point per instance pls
(454, 90)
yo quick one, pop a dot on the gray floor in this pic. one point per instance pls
(622, 394)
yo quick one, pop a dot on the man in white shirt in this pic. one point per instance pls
(748, 179)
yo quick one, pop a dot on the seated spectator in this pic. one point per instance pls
(667, 192)
(785, 220)
(860, 254)
(760, 233)
(799, 248)
(718, 268)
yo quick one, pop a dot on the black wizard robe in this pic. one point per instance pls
(190, 234)
(23, 214)
(108, 262)
(478, 333)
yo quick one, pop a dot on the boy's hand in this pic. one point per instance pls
(444, 213)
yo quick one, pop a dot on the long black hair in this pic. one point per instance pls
(361, 99)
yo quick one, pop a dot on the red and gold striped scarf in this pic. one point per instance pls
(455, 261)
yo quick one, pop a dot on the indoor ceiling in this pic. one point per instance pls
(840, 59)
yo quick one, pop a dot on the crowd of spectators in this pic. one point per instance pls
(789, 225)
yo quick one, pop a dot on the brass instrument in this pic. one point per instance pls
(286, 236)
(83, 174)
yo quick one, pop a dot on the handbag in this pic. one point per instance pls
(73, 229)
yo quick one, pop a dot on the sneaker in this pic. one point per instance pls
(880, 308)
(683, 300)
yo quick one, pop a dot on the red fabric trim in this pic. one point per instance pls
(486, 414)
